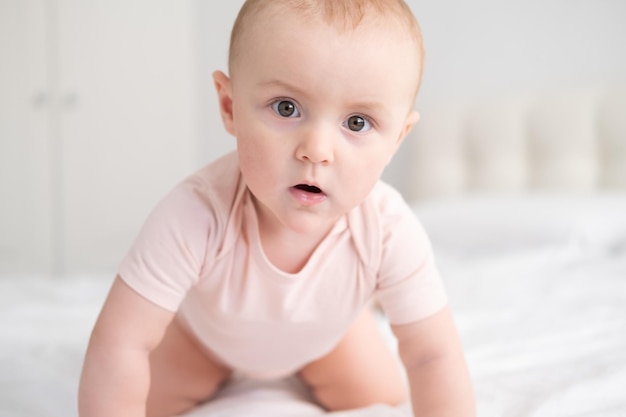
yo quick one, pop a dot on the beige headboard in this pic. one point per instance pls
(571, 140)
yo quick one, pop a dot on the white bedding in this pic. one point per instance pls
(541, 310)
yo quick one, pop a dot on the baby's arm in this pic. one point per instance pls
(116, 373)
(433, 357)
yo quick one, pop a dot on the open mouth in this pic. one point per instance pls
(308, 188)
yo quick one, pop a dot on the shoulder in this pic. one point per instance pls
(184, 231)
(384, 209)
(210, 191)
(409, 286)
(197, 210)
(383, 217)
(217, 182)
(387, 201)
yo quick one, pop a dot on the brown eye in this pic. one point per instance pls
(285, 108)
(357, 124)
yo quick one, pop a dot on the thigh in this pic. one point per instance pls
(182, 374)
(361, 370)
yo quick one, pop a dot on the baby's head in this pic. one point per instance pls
(319, 97)
(342, 16)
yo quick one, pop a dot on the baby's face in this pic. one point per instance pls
(318, 114)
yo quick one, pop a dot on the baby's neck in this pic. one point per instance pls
(287, 250)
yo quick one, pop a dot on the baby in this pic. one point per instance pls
(264, 262)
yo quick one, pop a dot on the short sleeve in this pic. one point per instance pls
(409, 285)
(168, 255)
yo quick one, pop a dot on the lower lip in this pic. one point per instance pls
(306, 198)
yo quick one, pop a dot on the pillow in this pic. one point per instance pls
(485, 225)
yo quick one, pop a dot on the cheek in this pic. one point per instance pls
(257, 159)
(250, 159)
(363, 176)
(256, 149)
(377, 158)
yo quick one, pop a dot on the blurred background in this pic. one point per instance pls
(106, 104)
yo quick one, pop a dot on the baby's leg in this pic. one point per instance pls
(181, 374)
(360, 371)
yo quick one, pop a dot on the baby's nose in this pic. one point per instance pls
(317, 145)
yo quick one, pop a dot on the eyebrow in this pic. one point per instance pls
(283, 85)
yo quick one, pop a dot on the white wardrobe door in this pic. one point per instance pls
(129, 123)
(26, 209)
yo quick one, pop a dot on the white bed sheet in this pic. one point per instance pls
(544, 332)
(544, 328)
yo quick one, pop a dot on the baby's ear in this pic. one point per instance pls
(412, 118)
(224, 90)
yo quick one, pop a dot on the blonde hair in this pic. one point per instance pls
(345, 15)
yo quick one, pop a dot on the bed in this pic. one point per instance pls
(524, 198)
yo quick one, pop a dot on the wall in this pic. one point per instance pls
(489, 46)
(213, 21)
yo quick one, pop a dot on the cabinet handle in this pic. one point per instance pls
(40, 100)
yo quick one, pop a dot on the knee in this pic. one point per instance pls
(358, 394)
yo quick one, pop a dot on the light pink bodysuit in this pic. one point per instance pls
(199, 253)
